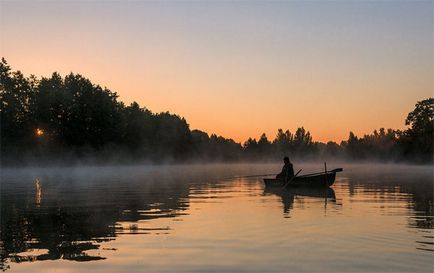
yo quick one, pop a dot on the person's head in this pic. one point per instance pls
(286, 159)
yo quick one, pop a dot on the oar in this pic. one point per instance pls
(290, 180)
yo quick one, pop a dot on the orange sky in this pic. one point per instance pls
(238, 69)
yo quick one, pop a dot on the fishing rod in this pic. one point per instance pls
(248, 176)
(331, 171)
(259, 175)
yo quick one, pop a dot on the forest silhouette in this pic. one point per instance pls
(69, 119)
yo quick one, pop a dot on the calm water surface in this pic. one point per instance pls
(375, 218)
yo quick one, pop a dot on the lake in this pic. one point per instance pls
(206, 218)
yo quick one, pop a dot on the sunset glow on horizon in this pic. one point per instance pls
(238, 69)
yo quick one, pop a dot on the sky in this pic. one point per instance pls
(238, 68)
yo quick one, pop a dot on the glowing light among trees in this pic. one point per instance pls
(39, 132)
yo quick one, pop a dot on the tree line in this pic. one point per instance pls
(71, 118)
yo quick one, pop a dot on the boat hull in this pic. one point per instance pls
(318, 180)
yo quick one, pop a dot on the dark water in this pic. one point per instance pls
(375, 218)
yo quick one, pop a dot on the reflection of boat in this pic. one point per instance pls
(288, 195)
(303, 191)
(323, 179)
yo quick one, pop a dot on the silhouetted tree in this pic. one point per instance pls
(172, 137)
(138, 130)
(264, 147)
(302, 142)
(250, 148)
(352, 146)
(418, 139)
(332, 149)
(16, 93)
(381, 145)
(283, 143)
(94, 114)
(224, 149)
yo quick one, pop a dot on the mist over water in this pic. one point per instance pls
(375, 218)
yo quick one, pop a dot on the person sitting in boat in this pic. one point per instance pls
(287, 170)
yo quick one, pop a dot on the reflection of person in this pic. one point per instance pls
(287, 170)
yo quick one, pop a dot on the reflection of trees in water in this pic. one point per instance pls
(288, 195)
(389, 186)
(422, 204)
(65, 232)
(67, 223)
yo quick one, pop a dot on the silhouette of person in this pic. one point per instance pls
(287, 170)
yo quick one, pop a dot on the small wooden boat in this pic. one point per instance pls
(322, 179)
